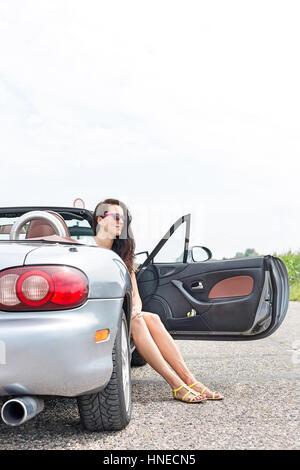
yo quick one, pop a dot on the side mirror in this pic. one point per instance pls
(201, 253)
(140, 257)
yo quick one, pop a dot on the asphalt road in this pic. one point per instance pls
(260, 381)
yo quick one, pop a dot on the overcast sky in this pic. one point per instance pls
(174, 107)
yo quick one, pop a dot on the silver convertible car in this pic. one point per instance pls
(65, 309)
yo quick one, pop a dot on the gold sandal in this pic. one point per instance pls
(190, 391)
(205, 388)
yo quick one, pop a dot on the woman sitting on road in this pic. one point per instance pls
(112, 230)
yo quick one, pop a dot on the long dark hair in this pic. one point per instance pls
(124, 244)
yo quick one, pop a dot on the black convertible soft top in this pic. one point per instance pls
(68, 213)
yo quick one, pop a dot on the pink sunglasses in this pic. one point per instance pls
(115, 216)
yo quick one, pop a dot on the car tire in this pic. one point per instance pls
(110, 409)
(137, 360)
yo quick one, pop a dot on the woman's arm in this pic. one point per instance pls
(136, 299)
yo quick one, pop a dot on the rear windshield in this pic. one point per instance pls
(79, 229)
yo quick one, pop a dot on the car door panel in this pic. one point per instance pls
(213, 314)
(232, 299)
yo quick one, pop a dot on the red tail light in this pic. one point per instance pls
(42, 288)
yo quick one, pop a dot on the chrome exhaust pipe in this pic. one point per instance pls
(20, 409)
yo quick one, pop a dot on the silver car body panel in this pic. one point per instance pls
(54, 352)
(13, 254)
(106, 271)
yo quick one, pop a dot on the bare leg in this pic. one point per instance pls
(149, 350)
(171, 352)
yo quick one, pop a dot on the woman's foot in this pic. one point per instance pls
(206, 392)
(186, 394)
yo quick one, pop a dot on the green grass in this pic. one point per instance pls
(292, 262)
(295, 291)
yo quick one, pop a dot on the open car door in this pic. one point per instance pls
(235, 299)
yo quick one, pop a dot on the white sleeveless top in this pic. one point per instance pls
(92, 242)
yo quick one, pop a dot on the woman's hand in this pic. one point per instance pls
(136, 311)
(136, 300)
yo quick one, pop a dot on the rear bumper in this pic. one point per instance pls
(54, 353)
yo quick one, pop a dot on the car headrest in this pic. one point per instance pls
(41, 228)
(5, 229)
